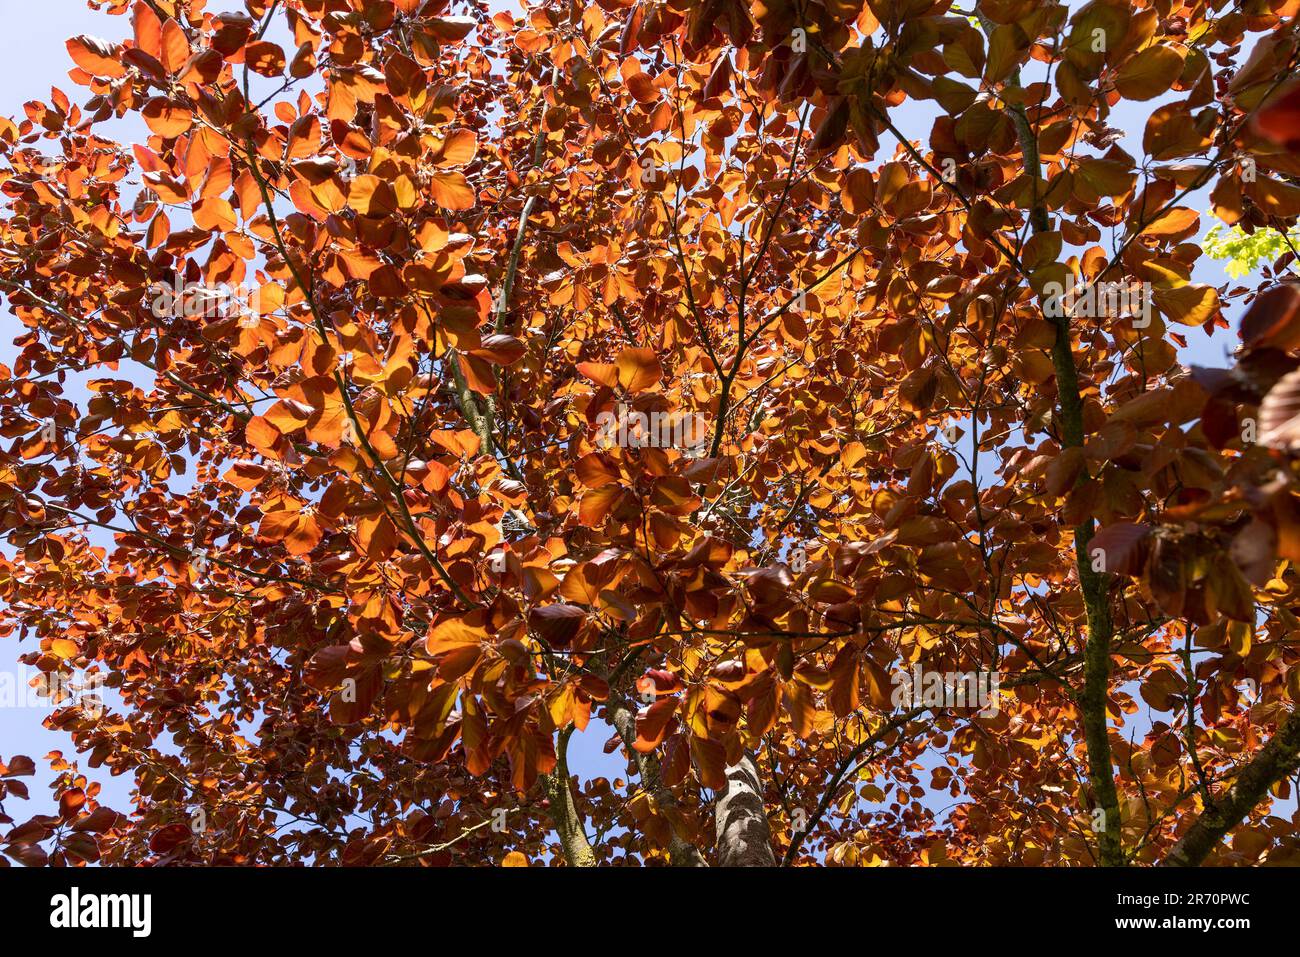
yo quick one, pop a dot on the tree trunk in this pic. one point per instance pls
(1093, 585)
(744, 839)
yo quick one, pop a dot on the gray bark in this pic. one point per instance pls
(744, 838)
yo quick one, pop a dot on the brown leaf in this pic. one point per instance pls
(1279, 415)
(1119, 548)
(1273, 319)
(557, 624)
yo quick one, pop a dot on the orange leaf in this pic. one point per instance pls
(288, 415)
(168, 187)
(260, 433)
(175, 46)
(602, 373)
(214, 214)
(169, 120)
(452, 190)
(638, 369)
(595, 470)
(652, 724)
(452, 634)
(97, 57)
(598, 503)
(458, 148)
(371, 196)
(148, 29)
(264, 57)
(296, 528)
(246, 475)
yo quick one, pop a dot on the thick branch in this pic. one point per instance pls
(680, 852)
(1101, 626)
(564, 810)
(1278, 758)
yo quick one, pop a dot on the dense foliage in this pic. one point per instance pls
(430, 381)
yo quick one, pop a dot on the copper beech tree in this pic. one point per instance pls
(426, 384)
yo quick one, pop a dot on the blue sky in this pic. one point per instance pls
(33, 58)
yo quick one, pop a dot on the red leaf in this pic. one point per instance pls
(169, 838)
(20, 765)
(1279, 120)
(658, 682)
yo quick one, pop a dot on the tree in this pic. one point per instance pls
(432, 381)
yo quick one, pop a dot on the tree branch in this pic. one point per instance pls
(564, 810)
(1278, 758)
